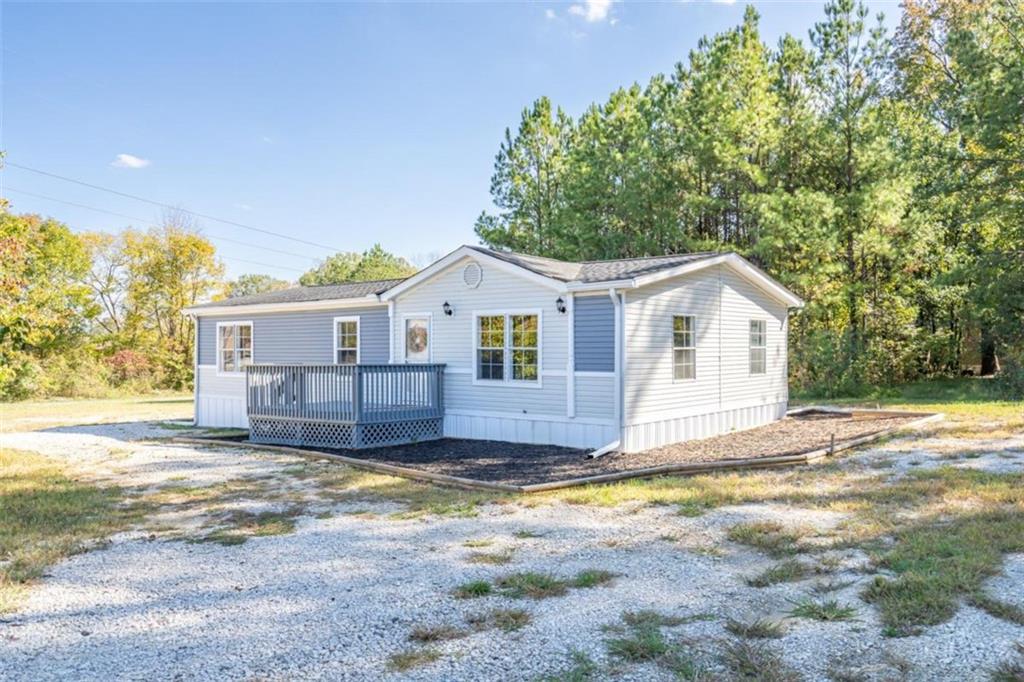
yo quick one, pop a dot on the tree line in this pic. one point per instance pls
(879, 176)
(92, 314)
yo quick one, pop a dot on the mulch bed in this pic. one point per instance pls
(523, 464)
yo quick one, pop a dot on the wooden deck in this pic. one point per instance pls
(345, 406)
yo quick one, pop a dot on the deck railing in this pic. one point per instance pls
(345, 394)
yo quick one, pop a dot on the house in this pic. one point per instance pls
(624, 354)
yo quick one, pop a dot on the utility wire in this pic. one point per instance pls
(135, 197)
(144, 221)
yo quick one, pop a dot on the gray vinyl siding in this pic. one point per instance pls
(594, 346)
(302, 337)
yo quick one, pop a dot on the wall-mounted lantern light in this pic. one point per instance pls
(448, 310)
(560, 304)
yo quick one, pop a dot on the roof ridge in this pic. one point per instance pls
(354, 281)
(667, 255)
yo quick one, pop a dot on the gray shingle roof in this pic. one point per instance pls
(599, 270)
(324, 292)
(565, 271)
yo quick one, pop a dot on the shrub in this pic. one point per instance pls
(128, 365)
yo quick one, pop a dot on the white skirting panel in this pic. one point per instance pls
(221, 411)
(639, 437)
(567, 433)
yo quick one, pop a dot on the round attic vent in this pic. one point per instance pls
(472, 274)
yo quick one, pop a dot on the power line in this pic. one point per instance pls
(144, 221)
(167, 206)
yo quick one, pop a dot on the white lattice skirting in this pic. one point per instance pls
(342, 436)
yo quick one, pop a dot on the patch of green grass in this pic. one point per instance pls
(940, 561)
(493, 558)
(526, 534)
(592, 578)
(770, 537)
(237, 526)
(484, 542)
(786, 571)
(746, 660)
(476, 588)
(508, 620)
(435, 633)
(644, 642)
(45, 414)
(997, 608)
(582, 668)
(48, 514)
(412, 658)
(761, 628)
(532, 585)
(827, 610)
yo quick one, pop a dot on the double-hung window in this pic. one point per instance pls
(234, 346)
(508, 347)
(346, 340)
(758, 346)
(684, 347)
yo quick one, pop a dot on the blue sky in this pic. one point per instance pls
(340, 124)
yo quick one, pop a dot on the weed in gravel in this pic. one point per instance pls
(526, 534)
(413, 658)
(532, 585)
(508, 620)
(997, 608)
(239, 525)
(786, 571)
(824, 610)
(492, 558)
(643, 641)
(1010, 670)
(768, 536)
(592, 578)
(761, 628)
(476, 588)
(435, 633)
(483, 542)
(582, 669)
(746, 660)
(823, 587)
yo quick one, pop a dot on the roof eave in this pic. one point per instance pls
(288, 306)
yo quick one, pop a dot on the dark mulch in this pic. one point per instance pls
(521, 464)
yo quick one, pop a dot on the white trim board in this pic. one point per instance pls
(253, 308)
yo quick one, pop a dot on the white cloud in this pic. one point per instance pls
(724, 2)
(129, 161)
(243, 207)
(267, 139)
(592, 10)
(549, 14)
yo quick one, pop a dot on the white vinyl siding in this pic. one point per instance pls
(454, 339)
(684, 347)
(722, 304)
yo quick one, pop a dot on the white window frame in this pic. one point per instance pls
(252, 347)
(508, 380)
(334, 335)
(763, 347)
(672, 332)
(430, 337)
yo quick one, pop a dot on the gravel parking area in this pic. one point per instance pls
(521, 464)
(339, 596)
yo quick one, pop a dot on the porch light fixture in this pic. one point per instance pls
(448, 310)
(560, 304)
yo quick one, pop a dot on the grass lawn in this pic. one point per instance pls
(47, 515)
(33, 415)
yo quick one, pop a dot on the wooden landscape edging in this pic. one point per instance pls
(685, 469)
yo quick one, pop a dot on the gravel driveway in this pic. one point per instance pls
(338, 596)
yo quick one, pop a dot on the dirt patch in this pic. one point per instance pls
(525, 464)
